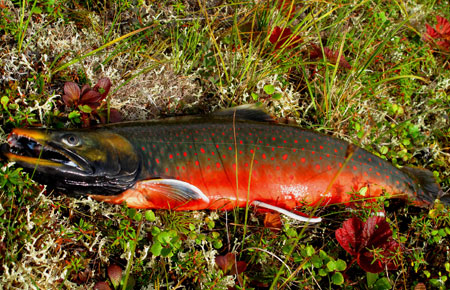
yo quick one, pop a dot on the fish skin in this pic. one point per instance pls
(281, 165)
(289, 166)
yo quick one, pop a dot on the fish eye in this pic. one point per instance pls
(71, 140)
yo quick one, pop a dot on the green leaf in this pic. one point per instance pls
(322, 272)
(131, 212)
(337, 278)
(150, 215)
(36, 10)
(371, 278)
(310, 250)
(164, 237)
(138, 217)
(255, 96)
(155, 231)
(277, 96)
(4, 100)
(341, 265)
(269, 89)
(384, 150)
(331, 265)
(85, 109)
(156, 248)
(167, 252)
(382, 284)
(317, 261)
(74, 114)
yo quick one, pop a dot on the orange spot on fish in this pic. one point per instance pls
(354, 168)
(285, 156)
(294, 164)
(303, 160)
(202, 150)
(218, 165)
(264, 156)
(197, 163)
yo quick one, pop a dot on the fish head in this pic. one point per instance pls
(75, 162)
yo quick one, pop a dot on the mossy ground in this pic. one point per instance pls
(197, 57)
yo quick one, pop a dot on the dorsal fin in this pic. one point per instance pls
(245, 112)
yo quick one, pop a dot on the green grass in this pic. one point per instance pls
(188, 57)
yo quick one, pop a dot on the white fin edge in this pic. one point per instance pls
(183, 186)
(286, 212)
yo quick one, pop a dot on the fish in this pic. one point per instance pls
(234, 158)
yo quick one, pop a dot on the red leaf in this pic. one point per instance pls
(71, 93)
(370, 242)
(442, 26)
(431, 33)
(238, 268)
(103, 86)
(229, 265)
(91, 98)
(115, 274)
(316, 52)
(283, 37)
(443, 44)
(349, 235)
(226, 262)
(272, 220)
(84, 89)
(101, 286)
(114, 116)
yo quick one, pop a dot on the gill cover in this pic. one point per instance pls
(75, 161)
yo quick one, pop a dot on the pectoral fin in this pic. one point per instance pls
(286, 212)
(160, 194)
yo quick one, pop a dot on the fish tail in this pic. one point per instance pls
(428, 190)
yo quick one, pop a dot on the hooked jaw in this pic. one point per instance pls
(31, 148)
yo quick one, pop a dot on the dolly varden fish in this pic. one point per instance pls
(234, 158)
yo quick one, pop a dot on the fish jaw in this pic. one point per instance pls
(75, 162)
(30, 148)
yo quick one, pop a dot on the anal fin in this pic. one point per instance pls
(286, 212)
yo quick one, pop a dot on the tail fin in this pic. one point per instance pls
(428, 189)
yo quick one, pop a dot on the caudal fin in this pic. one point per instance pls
(429, 190)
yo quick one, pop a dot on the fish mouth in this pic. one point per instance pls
(32, 148)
